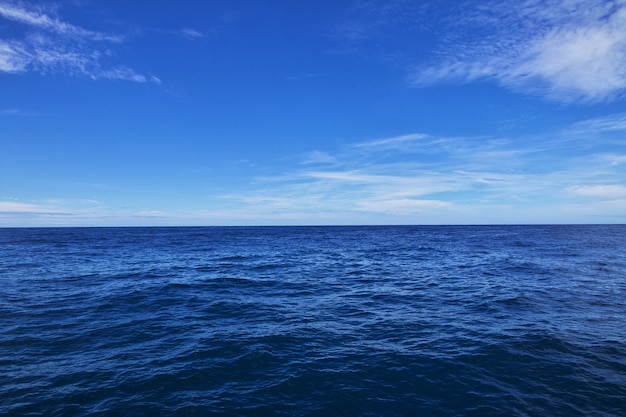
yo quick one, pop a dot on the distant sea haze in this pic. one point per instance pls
(313, 321)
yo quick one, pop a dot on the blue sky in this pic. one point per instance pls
(230, 112)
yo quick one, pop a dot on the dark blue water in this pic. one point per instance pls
(313, 321)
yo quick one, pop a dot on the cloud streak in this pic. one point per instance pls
(412, 178)
(603, 191)
(47, 44)
(36, 17)
(424, 178)
(17, 207)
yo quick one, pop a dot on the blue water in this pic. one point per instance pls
(313, 321)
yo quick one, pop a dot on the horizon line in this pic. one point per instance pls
(309, 225)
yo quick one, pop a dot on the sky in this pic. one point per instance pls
(279, 112)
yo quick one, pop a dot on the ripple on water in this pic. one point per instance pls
(439, 321)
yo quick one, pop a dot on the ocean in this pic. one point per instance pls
(313, 321)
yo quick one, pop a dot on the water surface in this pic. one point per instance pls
(313, 321)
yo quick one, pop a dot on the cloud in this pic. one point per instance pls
(574, 174)
(15, 207)
(432, 179)
(393, 142)
(73, 212)
(350, 177)
(567, 51)
(47, 44)
(318, 157)
(14, 112)
(191, 33)
(606, 124)
(613, 159)
(36, 17)
(127, 74)
(603, 191)
(13, 57)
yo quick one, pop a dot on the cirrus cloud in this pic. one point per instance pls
(45, 44)
(566, 51)
(604, 191)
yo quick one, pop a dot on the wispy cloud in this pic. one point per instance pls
(128, 74)
(318, 157)
(420, 178)
(425, 178)
(14, 112)
(88, 212)
(192, 33)
(613, 159)
(603, 191)
(13, 56)
(36, 16)
(567, 51)
(45, 43)
(17, 207)
(393, 142)
(605, 124)
(574, 174)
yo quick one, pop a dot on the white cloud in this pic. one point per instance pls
(15, 207)
(73, 212)
(16, 112)
(454, 179)
(191, 33)
(613, 159)
(566, 51)
(11, 112)
(318, 157)
(49, 44)
(13, 57)
(604, 191)
(612, 123)
(348, 176)
(127, 74)
(393, 142)
(35, 16)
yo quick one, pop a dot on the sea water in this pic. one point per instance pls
(313, 321)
